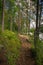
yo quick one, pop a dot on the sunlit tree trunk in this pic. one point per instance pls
(19, 19)
(3, 6)
(11, 23)
(29, 2)
(28, 21)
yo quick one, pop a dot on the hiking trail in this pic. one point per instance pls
(25, 57)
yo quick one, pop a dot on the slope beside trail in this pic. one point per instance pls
(25, 57)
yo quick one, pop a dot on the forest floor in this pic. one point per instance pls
(26, 57)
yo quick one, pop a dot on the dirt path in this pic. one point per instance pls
(25, 57)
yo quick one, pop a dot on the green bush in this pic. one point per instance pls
(32, 30)
(15, 27)
(39, 51)
(12, 45)
(41, 28)
(38, 47)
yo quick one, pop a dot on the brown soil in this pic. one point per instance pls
(3, 60)
(25, 57)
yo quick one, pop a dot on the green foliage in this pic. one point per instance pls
(0, 28)
(15, 27)
(31, 40)
(0, 10)
(11, 43)
(31, 37)
(6, 21)
(0, 5)
(39, 50)
(41, 28)
(32, 30)
(11, 7)
(38, 47)
(34, 1)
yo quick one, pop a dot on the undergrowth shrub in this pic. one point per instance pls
(39, 50)
(12, 45)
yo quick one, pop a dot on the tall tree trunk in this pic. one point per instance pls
(29, 2)
(36, 38)
(40, 15)
(18, 17)
(11, 23)
(37, 23)
(28, 21)
(3, 6)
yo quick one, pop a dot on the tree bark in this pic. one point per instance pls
(11, 23)
(36, 36)
(3, 6)
(28, 21)
(18, 22)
